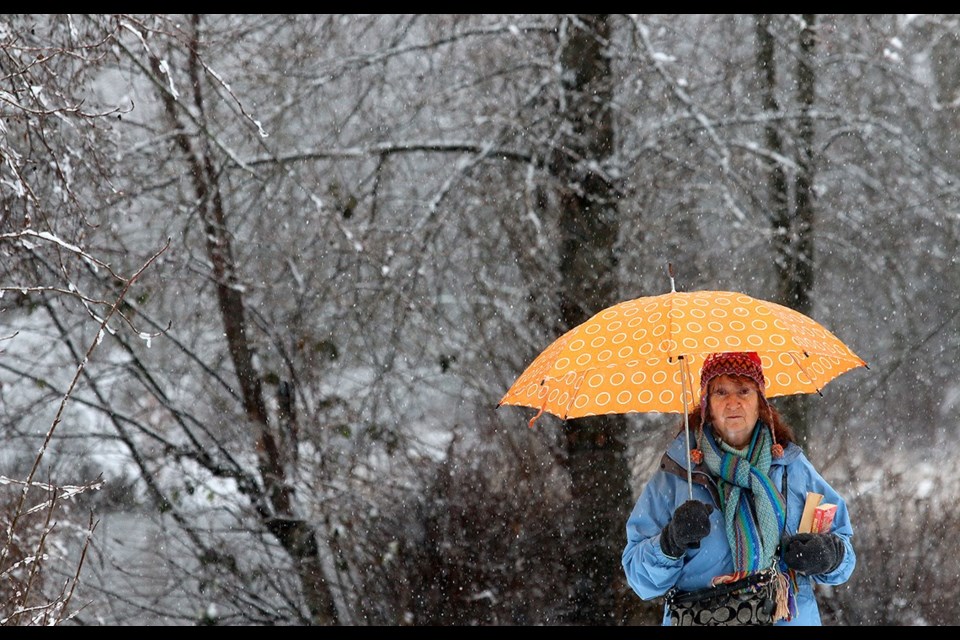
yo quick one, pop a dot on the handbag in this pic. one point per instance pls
(751, 600)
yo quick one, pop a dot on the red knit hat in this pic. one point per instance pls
(734, 363)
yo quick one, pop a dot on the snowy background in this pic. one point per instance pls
(265, 278)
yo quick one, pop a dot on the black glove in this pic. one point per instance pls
(813, 553)
(689, 525)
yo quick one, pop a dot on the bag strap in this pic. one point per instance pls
(786, 499)
(786, 502)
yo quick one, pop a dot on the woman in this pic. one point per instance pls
(738, 522)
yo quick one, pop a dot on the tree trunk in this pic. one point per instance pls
(589, 227)
(800, 285)
(793, 230)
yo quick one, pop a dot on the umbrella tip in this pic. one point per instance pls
(673, 287)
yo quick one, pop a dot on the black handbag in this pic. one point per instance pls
(752, 600)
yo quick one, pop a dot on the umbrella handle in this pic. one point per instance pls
(686, 423)
(686, 428)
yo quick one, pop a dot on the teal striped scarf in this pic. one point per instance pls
(742, 476)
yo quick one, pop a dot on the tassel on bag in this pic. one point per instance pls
(782, 589)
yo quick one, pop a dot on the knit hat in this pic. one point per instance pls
(739, 363)
(733, 363)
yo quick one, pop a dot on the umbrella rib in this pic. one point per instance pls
(800, 366)
(573, 396)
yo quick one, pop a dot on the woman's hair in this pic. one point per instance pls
(782, 432)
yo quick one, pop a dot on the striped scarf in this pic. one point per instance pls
(742, 477)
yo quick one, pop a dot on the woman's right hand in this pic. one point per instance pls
(689, 525)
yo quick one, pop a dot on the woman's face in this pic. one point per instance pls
(734, 408)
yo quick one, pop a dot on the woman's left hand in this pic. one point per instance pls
(813, 553)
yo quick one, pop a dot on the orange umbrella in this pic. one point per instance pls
(644, 355)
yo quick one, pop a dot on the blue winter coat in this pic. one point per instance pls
(651, 573)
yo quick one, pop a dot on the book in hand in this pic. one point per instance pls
(817, 515)
(823, 517)
(806, 520)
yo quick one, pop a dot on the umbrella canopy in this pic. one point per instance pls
(644, 355)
